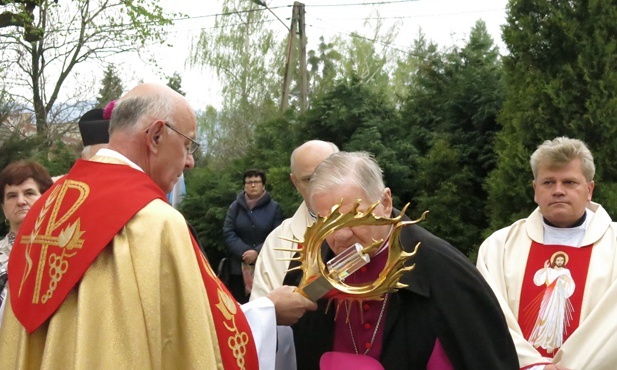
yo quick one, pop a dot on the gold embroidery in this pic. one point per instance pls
(57, 267)
(237, 341)
(226, 305)
(37, 227)
(68, 239)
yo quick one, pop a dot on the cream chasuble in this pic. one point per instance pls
(502, 260)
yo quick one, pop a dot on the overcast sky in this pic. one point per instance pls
(446, 22)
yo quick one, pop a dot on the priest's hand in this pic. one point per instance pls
(290, 305)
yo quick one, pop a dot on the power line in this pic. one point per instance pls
(340, 5)
(427, 15)
(229, 13)
(362, 4)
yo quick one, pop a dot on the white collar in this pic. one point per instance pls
(106, 152)
(570, 236)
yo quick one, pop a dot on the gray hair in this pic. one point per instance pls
(132, 110)
(561, 151)
(344, 168)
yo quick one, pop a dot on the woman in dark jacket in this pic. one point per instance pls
(250, 218)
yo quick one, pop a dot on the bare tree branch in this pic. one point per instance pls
(76, 32)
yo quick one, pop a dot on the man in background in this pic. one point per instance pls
(94, 130)
(269, 269)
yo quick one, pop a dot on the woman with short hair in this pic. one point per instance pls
(22, 183)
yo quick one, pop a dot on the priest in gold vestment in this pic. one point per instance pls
(107, 275)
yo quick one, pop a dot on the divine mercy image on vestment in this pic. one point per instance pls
(555, 310)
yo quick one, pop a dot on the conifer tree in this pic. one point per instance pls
(560, 76)
(451, 118)
(111, 88)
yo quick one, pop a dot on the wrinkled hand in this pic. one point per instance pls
(249, 257)
(290, 305)
(555, 367)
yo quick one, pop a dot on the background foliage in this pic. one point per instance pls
(452, 128)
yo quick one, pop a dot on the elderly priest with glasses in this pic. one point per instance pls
(106, 274)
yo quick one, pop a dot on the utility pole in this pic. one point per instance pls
(297, 22)
(303, 74)
(290, 46)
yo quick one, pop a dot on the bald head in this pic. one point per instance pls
(305, 159)
(144, 102)
(152, 125)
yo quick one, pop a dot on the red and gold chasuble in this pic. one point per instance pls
(67, 228)
(552, 294)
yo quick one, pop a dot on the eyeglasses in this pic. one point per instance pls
(192, 147)
(256, 182)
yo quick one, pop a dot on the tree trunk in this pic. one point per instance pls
(40, 112)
